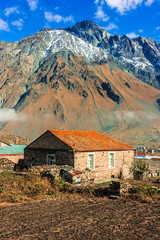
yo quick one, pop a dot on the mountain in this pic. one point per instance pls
(139, 56)
(81, 77)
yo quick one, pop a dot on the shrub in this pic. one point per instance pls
(143, 191)
(139, 168)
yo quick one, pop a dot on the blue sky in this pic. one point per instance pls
(21, 18)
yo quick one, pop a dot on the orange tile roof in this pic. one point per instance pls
(89, 140)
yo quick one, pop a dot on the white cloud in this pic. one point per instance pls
(32, 4)
(56, 18)
(140, 30)
(138, 116)
(111, 26)
(18, 23)
(68, 19)
(50, 17)
(149, 2)
(8, 11)
(123, 6)
(7, 115)
(157, 28)
(132, 35)
(4, 26)
(101, 15)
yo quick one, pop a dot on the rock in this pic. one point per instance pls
(114, 197)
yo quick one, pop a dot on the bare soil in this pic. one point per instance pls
(80, 218)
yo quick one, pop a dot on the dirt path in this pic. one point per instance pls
(80, 219)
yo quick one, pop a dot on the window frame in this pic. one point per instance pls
(48, 161)
(93, 163)
(111, 166)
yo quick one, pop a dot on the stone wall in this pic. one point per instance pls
(37, 157)
(36, 153)
(102, 172)
(64, 171)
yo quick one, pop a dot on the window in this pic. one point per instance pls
(51, 159)
(111, 160)
(91, 160)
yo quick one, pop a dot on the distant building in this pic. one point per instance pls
(140, 155)
(12, 152)
(101, 156)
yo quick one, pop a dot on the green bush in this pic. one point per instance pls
(139, 168)
(144, 191)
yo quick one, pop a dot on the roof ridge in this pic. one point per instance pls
(89, 140)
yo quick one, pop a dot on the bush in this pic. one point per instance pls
(144, 191)
(139, 168)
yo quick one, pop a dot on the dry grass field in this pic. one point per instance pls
(33, 208)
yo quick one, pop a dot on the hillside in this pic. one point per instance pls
(71, 79)
(14, 140)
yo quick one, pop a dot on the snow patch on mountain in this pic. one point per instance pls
(61, 39)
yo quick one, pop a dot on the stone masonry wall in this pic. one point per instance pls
(102, 172)
(36, 153)
(37, 157)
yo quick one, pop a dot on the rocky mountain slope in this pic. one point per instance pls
(80, 78)
(139, 56)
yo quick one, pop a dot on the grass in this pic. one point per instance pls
(21, 188)
(99, 184)
(144, 191)
(29, 187)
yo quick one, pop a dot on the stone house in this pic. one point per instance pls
(98, 156)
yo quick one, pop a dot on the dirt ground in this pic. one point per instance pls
(80, 219)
